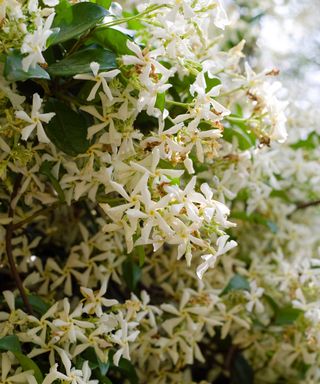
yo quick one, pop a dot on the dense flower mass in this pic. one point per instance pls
(157, 227)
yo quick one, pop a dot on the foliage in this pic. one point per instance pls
(156, 226)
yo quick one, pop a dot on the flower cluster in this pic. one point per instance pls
(132, 137)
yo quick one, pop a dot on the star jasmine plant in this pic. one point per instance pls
(157, 216)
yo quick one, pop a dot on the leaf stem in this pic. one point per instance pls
(178, 103)
(139, 15)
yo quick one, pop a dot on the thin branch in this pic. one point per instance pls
(30, 218)
(8, 240)
(230, 357)
(307, 204)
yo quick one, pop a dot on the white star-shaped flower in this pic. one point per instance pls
(100, 79)
(35, 120)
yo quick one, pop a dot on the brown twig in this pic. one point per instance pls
(230, 357)
(307, 204)
(8, 240)
(40, 212)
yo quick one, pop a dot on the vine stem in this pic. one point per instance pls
(30, 218)
(307, 204)
(8, 241)
(138, 16)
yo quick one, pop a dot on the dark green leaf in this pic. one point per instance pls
(131, 274)
(272, 302)
(211, 82)
(79, 62)
(94, 362)
(90, 355)
(139, 250)
(75, 20)
(125, 368)
(45, 169)
(128, 370)
(236, 283)
(287, 315)
(10, 343)
(67, 130)
(36, 302)
(113, 39)
(28, 364)
(13, 69)
(102, 379)
(241, 371)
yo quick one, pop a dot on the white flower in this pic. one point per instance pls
(15, 99)
(122, 337)
(210, 259)
(34, 44)
(94, 301)
(11, 8)
(35, 120)
(106, 119)
(51, 3)
(100, 79)
(17, 377)
(147, 63)
(54, 375)
(253, 298)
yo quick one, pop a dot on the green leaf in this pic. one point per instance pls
(236, 283)
(113, 39)
(311, 142)
(211, 82)
(103, 3)
(67, 130)
(160, 101)
(10, 343)
(272, 302)
(102, 379)
(134, 24)
(241, 371)
(287, 315)
(256, 218)
(90, 355)
(13, 69)
(94, 362)
(245, 138)
(45, 169)
(128, 370)
(79, 62)
(131, 273)
(28, 364)
(36, 302)
(75, 20)
(280, 194)
(139, 249)
(125, 367)
(174, 181)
